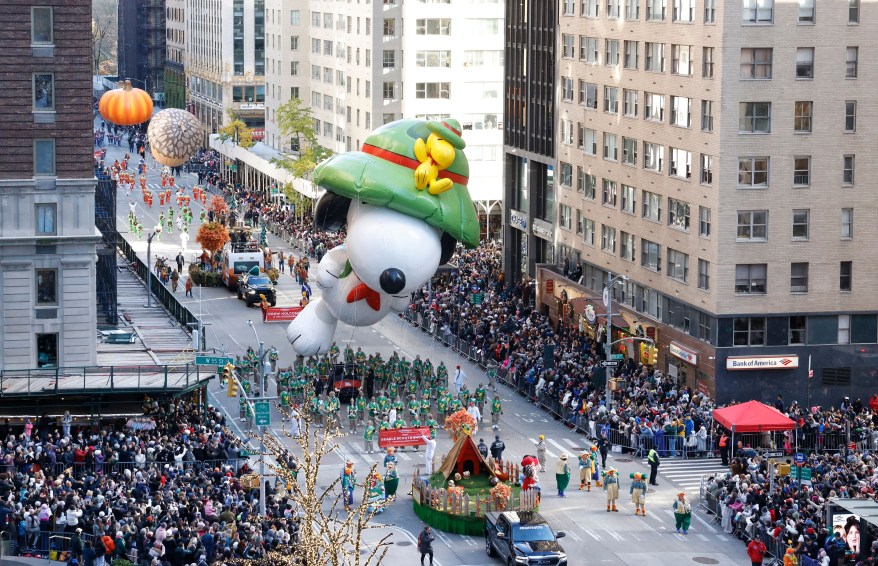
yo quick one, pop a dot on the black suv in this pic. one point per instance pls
(523, 538)
(251, 286)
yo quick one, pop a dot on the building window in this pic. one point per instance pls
(432, 26)
(756, 63)
(632, 10)
(609, 193)
(802, 171)
(703, 275)
(752, 172)
(611, 99)
(566, 132)
(388, 59)
(588, 49)
(847, 176)
(681, 163)
(681, 114)
(589, 232)
(706, 115)
(433, 90)
(806, 11)
(47, 287)
(799, 277)
(801, 223)
(566, 174)
(588, 94)
(709, 11)
(758, 11)
(853, 11)
(653, 157)
(590, 8)
(629, 151)
(294, 43)
(681, 60)
(387, 118)
(613, 7)
(43, 92)
(44, 157)
(678, 214)
(652, 206)
(569, 8)
(707, 63)
(844, 329)
(47, 350)
(41, 25)
(655, 106)
(804, 115)
(851, 56)
(611, 152)
(567, 89)
(629, 102)
(608, 239)
(754, 117)
(626, 247)
(629, 197)
(588, 140)
(798, 330)
(704, 222)
(678, 265)
(295, 17)
(632, 48)
(655, 57)
(565, 217)
(684, 10)
(650, 255)
(46, 219)
(750, 278)
(580, 226)
(568, 49)
(845, 275)
(612, 53)
(850, 116)
(591, 184)
(706, 169)
(847, 223)
(655, 9)
(805, 63)
(752, 225)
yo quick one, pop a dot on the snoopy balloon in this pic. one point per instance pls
(405, 202)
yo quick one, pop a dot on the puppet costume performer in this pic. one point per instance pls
(682, 513)
(586, 470)
(562, 474)
(348, 482)
(638, 494)
(611, 486)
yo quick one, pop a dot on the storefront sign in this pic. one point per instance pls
(544, 230)
(702, 387)
(590, 315)
(761, 362)
(550, 286)
(282, 314)
(518, 220)
(406, 436)
(672, 371)
(684, 354)
(257, 133)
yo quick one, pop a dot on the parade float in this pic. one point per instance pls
(467, 485)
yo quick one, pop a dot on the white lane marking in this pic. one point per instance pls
(558, 446)
(441, 536)
(414, 540)
(703, 522)
(702, 537)
(570, 442)
(593, 535)
(574, 536)
(679, 536)
(614, 534)
(403, 455)
(468, 541)
(635, 536)
(722, 538)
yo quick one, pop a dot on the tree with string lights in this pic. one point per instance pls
(328, 534)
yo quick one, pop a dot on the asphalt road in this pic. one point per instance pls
(593, 535)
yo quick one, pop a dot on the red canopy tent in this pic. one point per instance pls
(752, 416)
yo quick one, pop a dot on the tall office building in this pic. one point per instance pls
(175, 55)
(360, 65)
(716, 153)
(225, 61)
(47, 187)
(141, 44)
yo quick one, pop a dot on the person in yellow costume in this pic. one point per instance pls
(586, 470)
(611, 486)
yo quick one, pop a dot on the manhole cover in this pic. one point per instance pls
(404, 543)
(705, 560)
(622, 459)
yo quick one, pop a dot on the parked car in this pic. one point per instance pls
(523, 538)
(251, 286)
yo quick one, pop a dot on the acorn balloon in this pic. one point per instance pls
(174, 136)
(126, 105)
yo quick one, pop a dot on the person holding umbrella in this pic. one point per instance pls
(562, 474)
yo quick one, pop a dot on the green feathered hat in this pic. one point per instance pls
(382, 173)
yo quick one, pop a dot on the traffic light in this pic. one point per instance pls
(653, 355)
(233, 388)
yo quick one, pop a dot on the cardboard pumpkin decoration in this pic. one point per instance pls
(174, 135)
(126, 105)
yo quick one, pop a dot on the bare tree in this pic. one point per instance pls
(104, 36)
(329, 535)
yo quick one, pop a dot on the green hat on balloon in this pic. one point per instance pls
(415, 167)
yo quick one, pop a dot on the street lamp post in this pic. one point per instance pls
(608, 346)
(263, 377)
(156, 231)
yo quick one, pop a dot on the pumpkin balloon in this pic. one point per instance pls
(126, 106)
(174, 135)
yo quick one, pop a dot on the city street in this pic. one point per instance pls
(593, 536)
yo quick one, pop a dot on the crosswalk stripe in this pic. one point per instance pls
(570, 442)
(593, 535)
(613, 534)
(558, 446)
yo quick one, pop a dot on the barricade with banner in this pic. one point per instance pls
(282, 314)
(406, 436)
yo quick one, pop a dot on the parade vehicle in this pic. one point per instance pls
(348, 388)
(239, 256)
(523, 538)
(251, 286)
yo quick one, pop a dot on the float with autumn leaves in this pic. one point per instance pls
(466, 485)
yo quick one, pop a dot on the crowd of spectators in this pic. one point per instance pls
(167, 489)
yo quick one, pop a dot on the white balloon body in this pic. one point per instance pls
(349, 276)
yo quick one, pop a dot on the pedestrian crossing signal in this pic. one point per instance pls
(233, 388)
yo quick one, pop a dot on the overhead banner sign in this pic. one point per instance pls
(761, 362)
(282, 314)
(682, 353)
(406, 436)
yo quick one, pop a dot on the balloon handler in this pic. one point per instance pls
(405, 201)
(638, 493)
(611, 486)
